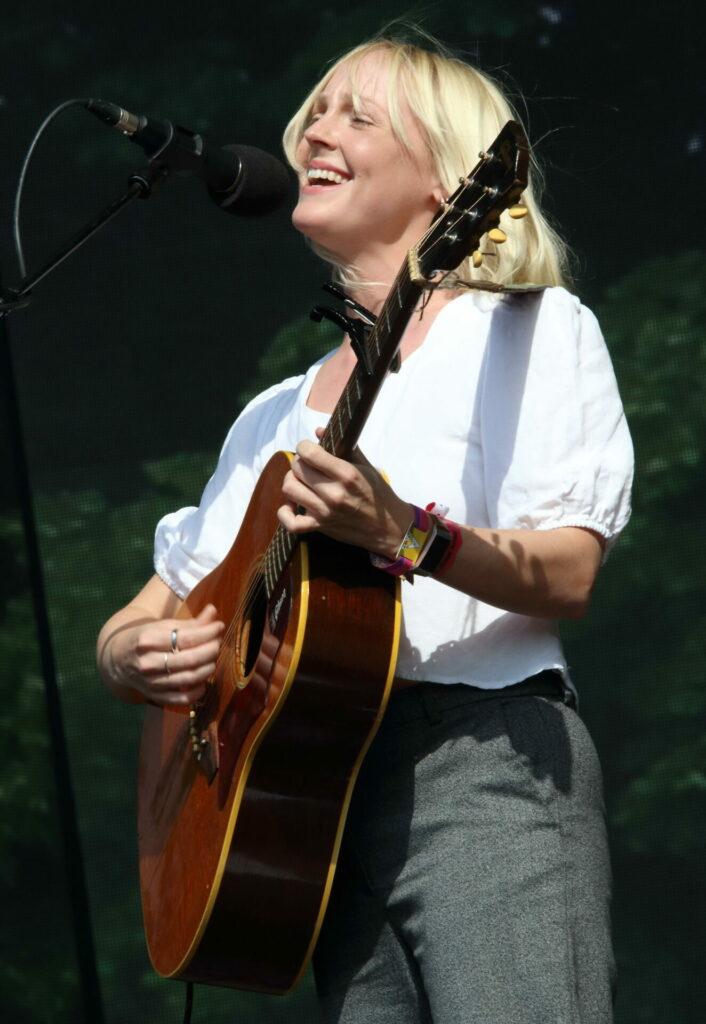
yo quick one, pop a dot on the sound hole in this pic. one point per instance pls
(252, 626)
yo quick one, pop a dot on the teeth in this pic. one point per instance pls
(316, 174)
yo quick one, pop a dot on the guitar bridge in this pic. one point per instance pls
(204, 744)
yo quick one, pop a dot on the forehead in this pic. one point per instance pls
(367, 78)
(373, 81)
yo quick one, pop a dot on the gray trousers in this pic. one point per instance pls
(474, 882)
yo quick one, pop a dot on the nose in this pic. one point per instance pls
(321, 132)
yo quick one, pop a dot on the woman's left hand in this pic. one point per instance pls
(547, 573)
(348, 501)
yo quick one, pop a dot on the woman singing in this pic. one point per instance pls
(473, 881)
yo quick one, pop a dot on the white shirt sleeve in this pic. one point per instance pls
(191, 542)
(556, 447)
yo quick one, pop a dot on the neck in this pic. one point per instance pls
(375, 277)
(376, 263)
(429, 305)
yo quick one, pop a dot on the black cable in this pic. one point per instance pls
(23, 174)
(189, 1002)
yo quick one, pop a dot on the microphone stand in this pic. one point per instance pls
(141, 186)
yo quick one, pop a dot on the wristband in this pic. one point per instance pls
(442, 549)
(428, 548)
(411, 549)
(457, 541)
(440, 540)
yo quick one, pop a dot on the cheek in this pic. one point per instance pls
(301, 153)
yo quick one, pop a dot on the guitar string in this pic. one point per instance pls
(226, 660)
(427, 240)
(282, 544)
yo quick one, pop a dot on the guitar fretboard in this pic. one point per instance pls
(353, 407)
(475, 207)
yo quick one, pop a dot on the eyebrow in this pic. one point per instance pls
(349, 100)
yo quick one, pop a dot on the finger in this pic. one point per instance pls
(192, 690)
(295, 521)
(177, 634)
(177, 698)
(180, 683)
(308, 473)
(336, 481)
(309, 495)
(197, 662)
(359, 459)
(316, 456)
(195, 636)
(154, 662)
(209, 613)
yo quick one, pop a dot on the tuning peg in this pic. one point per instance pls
(517, 211)
(477, 258)
(497, 235)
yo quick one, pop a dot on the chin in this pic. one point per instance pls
(314, 229)
(299, 218)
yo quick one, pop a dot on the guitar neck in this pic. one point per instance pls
(475, 207)
(353, 407)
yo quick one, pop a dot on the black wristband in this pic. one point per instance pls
(437, 550)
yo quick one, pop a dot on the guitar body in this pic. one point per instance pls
(238, 846)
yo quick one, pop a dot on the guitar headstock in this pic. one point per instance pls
(495, 184)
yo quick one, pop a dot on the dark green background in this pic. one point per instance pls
(134, 358)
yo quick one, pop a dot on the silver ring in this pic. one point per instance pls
(175, 645)
(166, 663)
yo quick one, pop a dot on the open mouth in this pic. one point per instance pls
(323, 176)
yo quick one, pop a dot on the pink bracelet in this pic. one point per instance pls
(453, 549)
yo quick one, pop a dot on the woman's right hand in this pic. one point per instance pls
(144, 653)
(168, 676)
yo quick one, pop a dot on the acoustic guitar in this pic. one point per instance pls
(242, 799)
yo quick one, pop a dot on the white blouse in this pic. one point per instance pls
(509, 414)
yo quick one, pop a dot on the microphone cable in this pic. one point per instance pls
(23, 174)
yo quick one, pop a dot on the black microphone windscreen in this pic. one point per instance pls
(263, 185)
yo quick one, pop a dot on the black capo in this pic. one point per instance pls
(357, 328)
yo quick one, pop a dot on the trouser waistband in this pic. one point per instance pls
(444, 696)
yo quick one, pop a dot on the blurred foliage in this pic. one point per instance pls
(618, 130)
(655, 321)
(32, 880)
(639, 655)
(292, 350)
(95, 557)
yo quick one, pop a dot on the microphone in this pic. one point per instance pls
(241, 179)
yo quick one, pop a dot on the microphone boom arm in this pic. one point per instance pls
(141, 185)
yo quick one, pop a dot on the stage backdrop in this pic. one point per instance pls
(135, 356)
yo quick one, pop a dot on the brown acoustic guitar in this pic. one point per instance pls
(243, 798)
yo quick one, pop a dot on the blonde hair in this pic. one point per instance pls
(460, 110)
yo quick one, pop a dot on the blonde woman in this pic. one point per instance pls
(473, 881)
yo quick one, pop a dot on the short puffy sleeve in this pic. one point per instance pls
(191, 542)
(556, 446)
